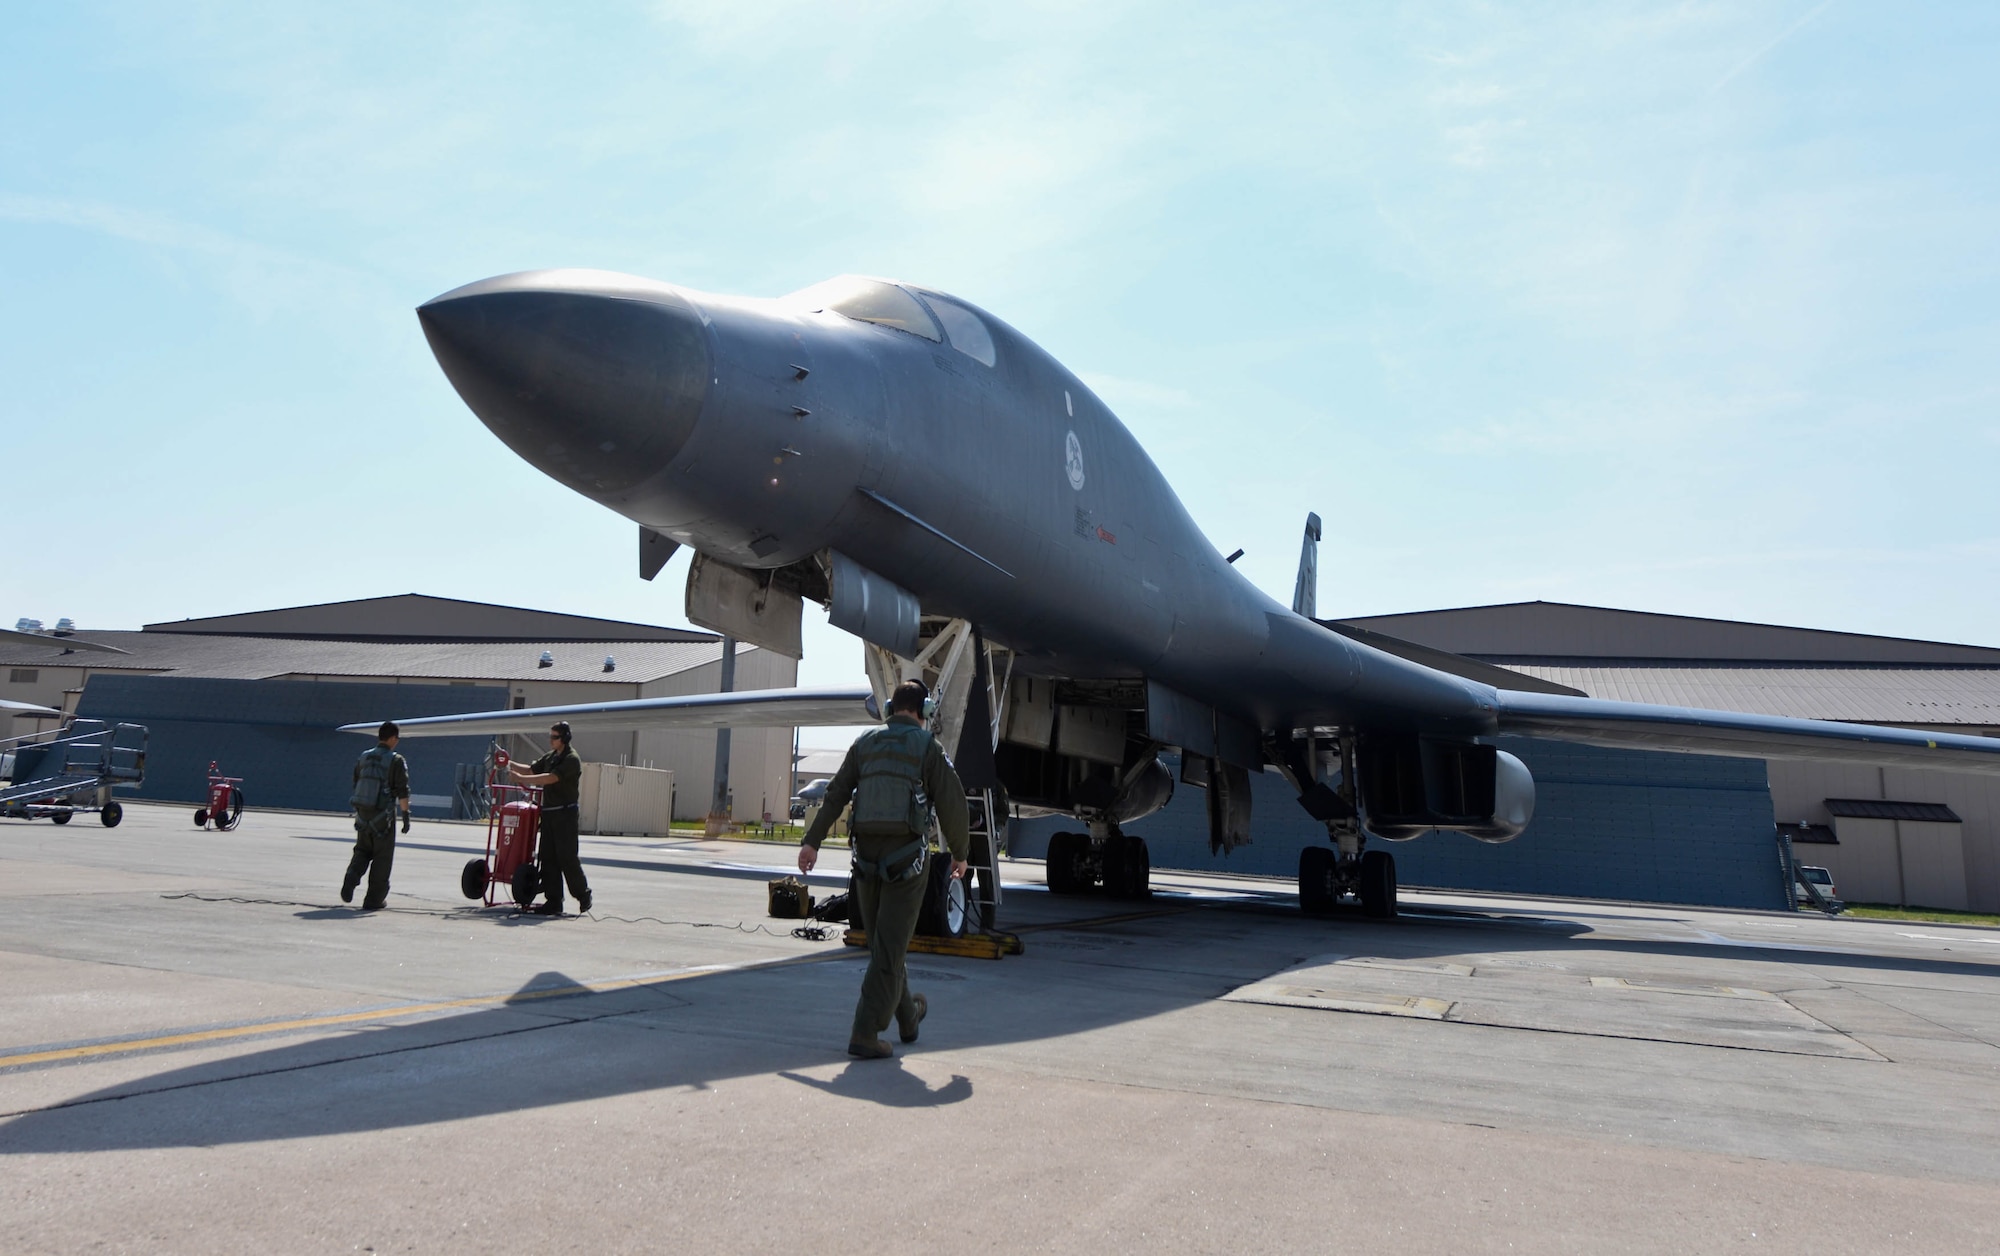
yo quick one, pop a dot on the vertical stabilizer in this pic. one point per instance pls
(1305, 594)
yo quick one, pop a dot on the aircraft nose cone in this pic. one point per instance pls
(597, 379)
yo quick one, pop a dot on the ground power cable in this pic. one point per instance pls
(805, 933)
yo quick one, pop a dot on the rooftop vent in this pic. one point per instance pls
(548, 659)
(24, 624)
(610, 664)
(65, 626)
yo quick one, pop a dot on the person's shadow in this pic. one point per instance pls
(887, 1083)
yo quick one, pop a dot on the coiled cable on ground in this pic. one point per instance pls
(805, 933)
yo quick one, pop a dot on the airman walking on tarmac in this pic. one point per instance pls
(381, 785)
(895, 776)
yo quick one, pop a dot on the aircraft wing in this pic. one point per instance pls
(1639, 725)
(749, 708)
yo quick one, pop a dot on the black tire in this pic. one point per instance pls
(228, 820)
(1317, 894)
(1128, 868)
(945, 913)
(1063, 874)
(1378, 884)
(110, 816)
(61, 817)
(472, 878)
(201, 818)
(527, 884)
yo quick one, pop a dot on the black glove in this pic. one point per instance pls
(406, 822)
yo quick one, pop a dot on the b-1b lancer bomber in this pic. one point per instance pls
(962, 502)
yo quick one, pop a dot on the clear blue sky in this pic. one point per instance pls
(1682, 307)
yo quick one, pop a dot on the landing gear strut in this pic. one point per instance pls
(1328, 875)
(1120, 862)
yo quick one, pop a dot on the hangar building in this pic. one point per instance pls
(1888, 835)
(261, 692)
(1660, 827)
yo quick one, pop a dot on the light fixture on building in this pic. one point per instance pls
(548, 659)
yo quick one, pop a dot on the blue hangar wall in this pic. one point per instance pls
(1624, 824)
(278, 735)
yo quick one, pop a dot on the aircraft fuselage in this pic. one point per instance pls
(761, 432)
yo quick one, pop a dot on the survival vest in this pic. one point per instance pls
(889, 796)
(371, 788)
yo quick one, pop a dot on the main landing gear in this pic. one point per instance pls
(1327, 875)
(1077, 862)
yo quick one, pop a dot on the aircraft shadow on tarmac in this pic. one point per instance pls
(554, 1042)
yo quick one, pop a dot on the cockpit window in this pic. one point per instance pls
(870, 301)
(967, 330)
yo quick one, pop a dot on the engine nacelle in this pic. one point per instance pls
(1513, 801)
(1411, 785)
(1041, 781)
(1153, 790)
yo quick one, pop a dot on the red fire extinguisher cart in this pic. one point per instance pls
(225, 800)
(512, 820)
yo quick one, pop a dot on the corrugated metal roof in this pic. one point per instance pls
(1884, 809)
(421, 617)
(1869, 695)
(261, 658)
(1551, 631)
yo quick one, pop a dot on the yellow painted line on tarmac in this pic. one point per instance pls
(194, 1036)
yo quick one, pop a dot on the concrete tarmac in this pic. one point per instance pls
(202, 1049)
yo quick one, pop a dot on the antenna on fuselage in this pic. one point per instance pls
(1305, 594)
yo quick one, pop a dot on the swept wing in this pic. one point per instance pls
(749, 708)
(1600, 722)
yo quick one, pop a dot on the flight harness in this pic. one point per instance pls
(898, 865)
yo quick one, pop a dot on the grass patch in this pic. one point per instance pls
(1929, 915)
(783, 834)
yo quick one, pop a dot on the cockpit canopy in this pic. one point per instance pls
(932, 315)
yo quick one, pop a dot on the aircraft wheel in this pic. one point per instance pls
(110, 816)
(472, 878)
(1378, 884)
(60, 817)
(1316, 893)
(201, 818)
(946, 913)
(527, 884)
(1128, 868)
(1063, 873)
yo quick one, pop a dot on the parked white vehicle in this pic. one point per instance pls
(1821, 879)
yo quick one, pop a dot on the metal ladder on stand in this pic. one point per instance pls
(982, 872)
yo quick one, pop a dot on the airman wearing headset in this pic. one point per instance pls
(895, 776)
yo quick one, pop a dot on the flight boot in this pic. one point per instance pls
(871, 1049)
(908, 1030)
